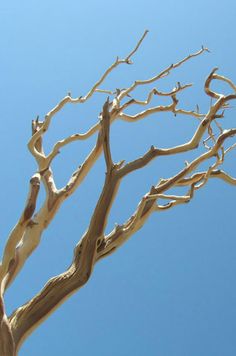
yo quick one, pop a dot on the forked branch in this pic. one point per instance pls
(95, 244)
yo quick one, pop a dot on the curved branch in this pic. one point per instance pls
(163, 186)
(213, 76)
(10, 251)
(162, 74)
(149, 111)
(26, 318)
(153, 92)
(197, 177)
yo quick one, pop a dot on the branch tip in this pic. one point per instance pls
(206, 49)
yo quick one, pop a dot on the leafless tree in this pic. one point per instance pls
(95, 244)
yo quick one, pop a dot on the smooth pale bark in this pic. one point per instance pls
(94, 245)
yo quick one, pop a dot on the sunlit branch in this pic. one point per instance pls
(82, 171)
(197, 177)
(149, 111)
(117, 62)
(9, 254)
(104, 91)
(146, 206)
(174, 199)
(213, 76)
(162, 74)
(189, 113)
(105, 123)
(214, 94)
(154, 91)
(43, 161)
(162, 187)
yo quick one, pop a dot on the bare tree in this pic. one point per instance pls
(95, 244)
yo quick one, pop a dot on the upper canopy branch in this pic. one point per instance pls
(44, 161)
(215, 76)
(147, 204)
(117, 62)
(195, 163)
(150, 111)
(197, 177)
(153, 92)
(191, 144)
(162, 74)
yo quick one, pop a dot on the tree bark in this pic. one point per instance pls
(7, 344)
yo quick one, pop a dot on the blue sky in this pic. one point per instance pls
(170, 291)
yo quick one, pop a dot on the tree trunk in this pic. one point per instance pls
(7, 344)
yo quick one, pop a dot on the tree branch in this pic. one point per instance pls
(197, 177)
(213, 76)
(192, 144)
(163, 186)
(162, 74)
(10, 251)
(147, 205)
(27, 317)
(105, 123)
(149, 111)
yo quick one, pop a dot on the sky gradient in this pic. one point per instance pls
(170, 290)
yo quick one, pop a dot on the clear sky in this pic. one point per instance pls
(170, 291)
